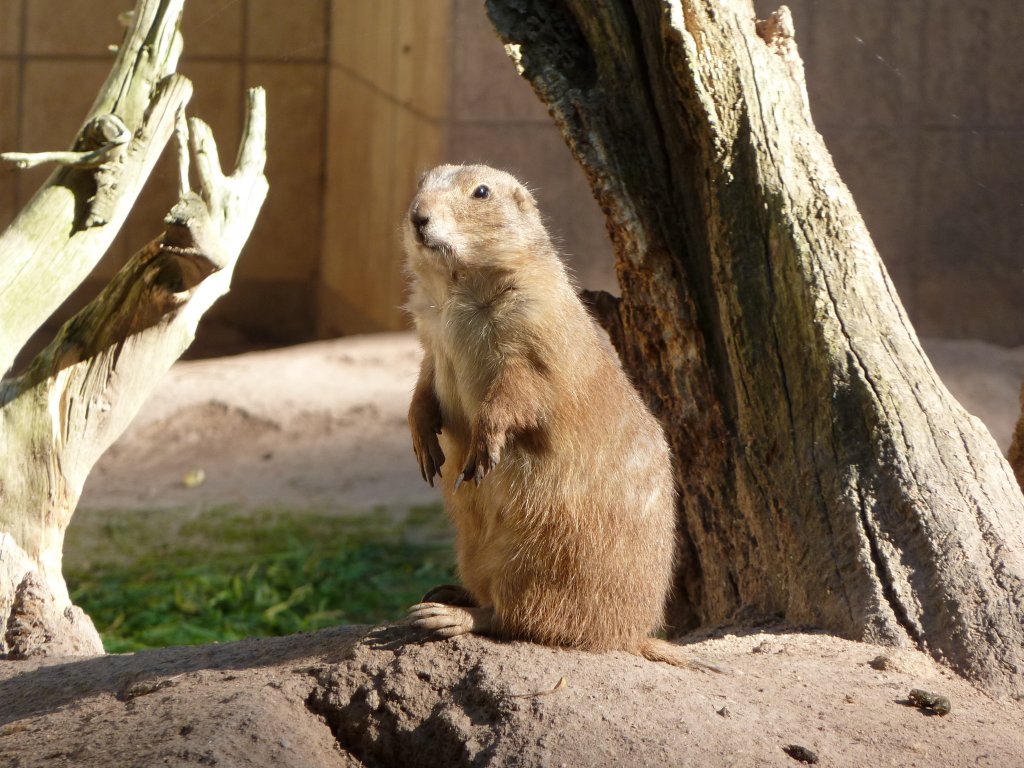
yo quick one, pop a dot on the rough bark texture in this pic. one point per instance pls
(79, 394)
(38, 626)
(825, 472)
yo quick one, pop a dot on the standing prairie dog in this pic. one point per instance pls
(557, 477)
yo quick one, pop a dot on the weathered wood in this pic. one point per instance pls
(78, 395)
(826, 474)
(83, 390)
(60, 235)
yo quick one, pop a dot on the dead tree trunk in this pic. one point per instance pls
(826, 474)
(79, 394)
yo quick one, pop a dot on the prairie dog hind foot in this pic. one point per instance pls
(445, 621)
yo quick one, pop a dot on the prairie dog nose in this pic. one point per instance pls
(418, 218)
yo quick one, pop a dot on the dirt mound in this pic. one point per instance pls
(349, 696)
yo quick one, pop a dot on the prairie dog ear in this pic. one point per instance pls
(524, 199)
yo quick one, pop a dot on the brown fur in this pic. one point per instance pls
(565, 517)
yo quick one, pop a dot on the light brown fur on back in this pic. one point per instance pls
(555, 474)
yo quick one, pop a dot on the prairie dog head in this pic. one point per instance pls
(466, 216)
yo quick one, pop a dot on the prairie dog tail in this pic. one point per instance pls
(654, 649)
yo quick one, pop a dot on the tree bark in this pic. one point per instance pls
(79, 394)
(826, 474)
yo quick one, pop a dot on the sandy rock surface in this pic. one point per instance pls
(351, 696)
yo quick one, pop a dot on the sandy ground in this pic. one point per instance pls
(316, 426)
(322, 426)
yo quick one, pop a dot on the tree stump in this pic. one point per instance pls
(826, 475)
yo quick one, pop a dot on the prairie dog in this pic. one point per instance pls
(555, 474)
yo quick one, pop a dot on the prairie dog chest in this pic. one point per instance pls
(467, 336)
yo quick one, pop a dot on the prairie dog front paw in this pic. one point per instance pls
(428, 452)
(484, 454)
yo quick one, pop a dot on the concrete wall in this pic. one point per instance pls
(389, 80)
(412, 84)
(496, 119)
(920, 105)
(917, 100)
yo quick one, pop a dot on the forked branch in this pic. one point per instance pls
(81, 392)
(60, 235)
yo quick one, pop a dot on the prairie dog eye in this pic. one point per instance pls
(482, 192)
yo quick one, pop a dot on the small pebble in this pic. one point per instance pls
(932, 702)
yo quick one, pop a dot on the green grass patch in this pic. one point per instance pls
(152, 579)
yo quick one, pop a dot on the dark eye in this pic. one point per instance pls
(482, 192)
